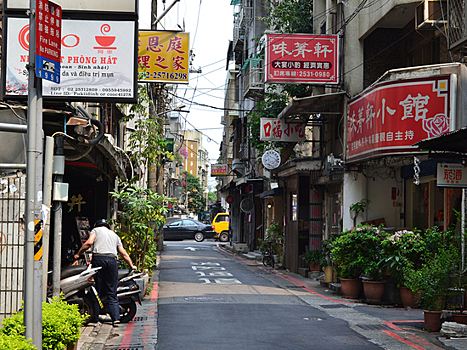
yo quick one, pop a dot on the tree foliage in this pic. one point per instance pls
(291, 16)
(196, 200)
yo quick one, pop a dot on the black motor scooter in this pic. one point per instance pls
(128, 293)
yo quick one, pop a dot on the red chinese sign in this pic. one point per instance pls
(302, 58)
(48, 40)
(274, 129)
(219, 169)
(391, 117)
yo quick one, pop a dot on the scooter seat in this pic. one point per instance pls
(123, 273)
(69, 271)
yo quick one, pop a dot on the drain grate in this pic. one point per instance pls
(334, 306)
(294, 287)
(204, 299)
(140, 318)
(127, 348)
(374, 327)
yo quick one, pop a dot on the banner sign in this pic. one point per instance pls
(302, 58)
(451, 175)
(98, 61)
(219, 169)
(274, 129)
(163, 57)
(48, 40)
(391, 117)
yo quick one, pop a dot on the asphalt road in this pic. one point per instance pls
(209, 299)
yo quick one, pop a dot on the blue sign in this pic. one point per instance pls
(47, 69)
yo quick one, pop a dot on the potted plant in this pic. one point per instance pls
(314, 259)
(402, 248)
(358, 251)
(432, 281)
(358, 208)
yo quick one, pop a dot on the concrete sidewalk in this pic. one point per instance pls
(141, 333)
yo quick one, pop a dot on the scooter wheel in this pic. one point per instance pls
(127, 312)
(88, 309)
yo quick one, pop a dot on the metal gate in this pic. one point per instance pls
(12, 207)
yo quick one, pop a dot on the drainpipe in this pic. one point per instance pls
(46, 202)
(57, 253)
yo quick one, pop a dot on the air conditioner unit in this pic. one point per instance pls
(431, 12)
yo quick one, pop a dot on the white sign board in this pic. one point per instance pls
(274, 129)
(271, 159)
(81, 5)
(451, 175)
(97, 60)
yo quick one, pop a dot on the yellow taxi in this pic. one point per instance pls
(221, 226)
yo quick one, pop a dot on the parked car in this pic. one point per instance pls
(188, 229)
(221, 226)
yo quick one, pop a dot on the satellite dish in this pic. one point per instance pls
(246, 205)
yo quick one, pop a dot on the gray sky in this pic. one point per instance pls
(210, 24)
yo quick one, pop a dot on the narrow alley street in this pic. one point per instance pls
(209, 298)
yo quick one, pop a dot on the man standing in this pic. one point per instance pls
(105, 245)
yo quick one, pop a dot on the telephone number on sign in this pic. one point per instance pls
(165, 75)
(319, 74)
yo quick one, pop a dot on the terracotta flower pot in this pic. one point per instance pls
(373, 290)
(459, 318)
(432, 320)
(351, 287)
(409, 298)
(314, 267)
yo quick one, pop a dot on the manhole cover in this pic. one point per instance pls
(203, 299)
(333, 306)
(374, 327)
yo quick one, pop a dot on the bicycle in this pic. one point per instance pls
(268, 254)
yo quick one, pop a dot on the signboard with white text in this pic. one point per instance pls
(98, 61)
(302, 58)
(48, 40)
(391, 117)
(451, 175)
(274, 129)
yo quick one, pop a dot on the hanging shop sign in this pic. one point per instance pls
(302, 58)
(219, 169)
(451, 175)
(274, 129)
(391, 117)
(163, 57)
(98, 61)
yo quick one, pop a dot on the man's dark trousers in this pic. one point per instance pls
(106, 284)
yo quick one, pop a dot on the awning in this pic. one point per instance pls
(274, 192)
(454, 141)
(320, 104)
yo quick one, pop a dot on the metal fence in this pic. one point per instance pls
(12, 207)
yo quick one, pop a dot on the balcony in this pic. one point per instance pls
(253, 78)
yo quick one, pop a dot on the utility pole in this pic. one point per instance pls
(156, 175)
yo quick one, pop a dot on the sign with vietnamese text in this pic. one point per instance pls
(391, 117)
(274, 129)
(302, 58)
(219, 169)
(98, 61)
(451, 175)
(48, 40)
(163, 56)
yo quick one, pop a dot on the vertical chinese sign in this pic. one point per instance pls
(191, 162)
(302, 58)
(391, 117)
(163, 57)
(48, 40)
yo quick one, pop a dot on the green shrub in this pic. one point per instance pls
(17, 342)
(61, 325)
